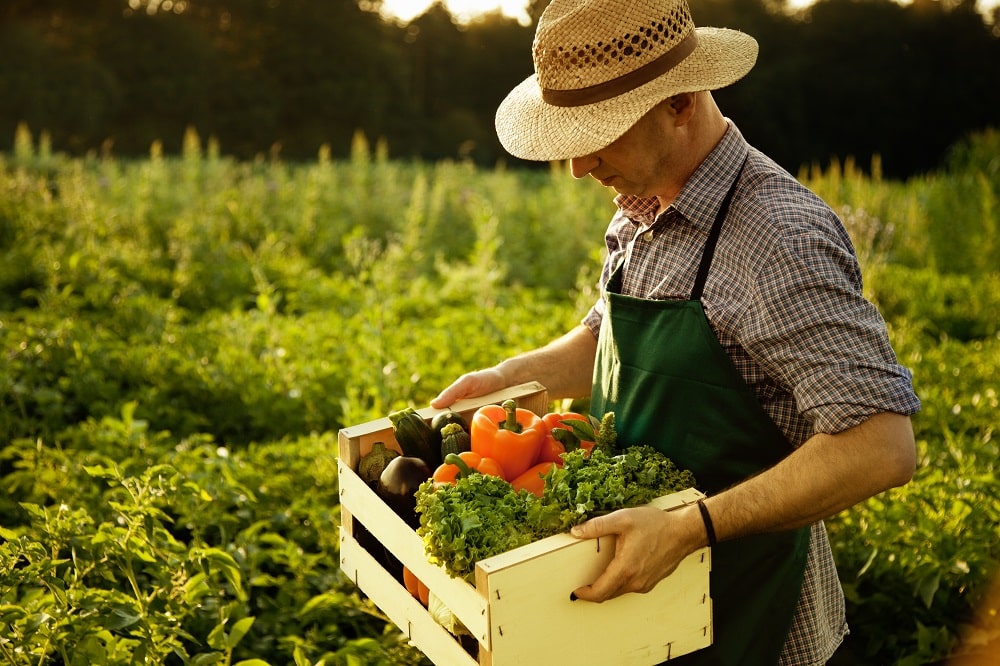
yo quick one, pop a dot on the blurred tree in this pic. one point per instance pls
(498, 51)
(432, 42)
(167, 72)
(47, 83)
(841, 78)
(855, 78)
(904, 82)
(535, 9)
(334, 68)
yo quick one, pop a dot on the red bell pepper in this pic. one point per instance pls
(561, 436)
(511, 436)
(533, 480)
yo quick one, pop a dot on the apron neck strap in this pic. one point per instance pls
(713, 238)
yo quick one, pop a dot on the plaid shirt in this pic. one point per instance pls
(784, 298)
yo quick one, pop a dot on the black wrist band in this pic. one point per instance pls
(708, 522)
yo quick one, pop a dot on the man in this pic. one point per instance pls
(731, 332)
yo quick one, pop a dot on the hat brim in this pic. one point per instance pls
(531, 129)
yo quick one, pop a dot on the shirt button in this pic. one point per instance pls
(648, 236)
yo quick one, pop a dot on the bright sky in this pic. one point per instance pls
(463, 10)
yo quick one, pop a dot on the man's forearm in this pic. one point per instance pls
(827, 474)
(565, 366)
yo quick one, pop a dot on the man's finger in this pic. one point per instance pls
(594, 528)
(607, 586)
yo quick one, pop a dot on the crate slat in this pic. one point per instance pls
(530, 605)
(399, 606)
(461, 598)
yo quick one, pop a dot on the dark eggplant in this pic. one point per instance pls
(398, 483)
(375, 548)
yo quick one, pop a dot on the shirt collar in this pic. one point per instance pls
(700, 198)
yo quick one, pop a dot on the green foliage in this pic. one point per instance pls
(965, 307)
(947, 222)
(111, 556)
(920, 558)
(183, 336)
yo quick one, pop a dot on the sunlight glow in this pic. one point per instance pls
(466, 10)
(155, 6)
(462, 10)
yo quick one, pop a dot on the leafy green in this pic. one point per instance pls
(481, 516)
(600, 482)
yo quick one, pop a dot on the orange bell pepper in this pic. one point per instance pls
(511, 436)
(464, 464)
(532, 480)
(561, 437)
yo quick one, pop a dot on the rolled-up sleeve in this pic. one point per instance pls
(595, 317)
(810, 327)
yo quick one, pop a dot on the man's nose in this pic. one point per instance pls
(581, 166)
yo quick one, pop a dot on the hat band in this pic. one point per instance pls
(624, 83)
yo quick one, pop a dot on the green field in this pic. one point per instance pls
(183, 337)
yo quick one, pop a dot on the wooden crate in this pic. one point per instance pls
(519, 611)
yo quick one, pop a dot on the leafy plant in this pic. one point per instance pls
(183, 337)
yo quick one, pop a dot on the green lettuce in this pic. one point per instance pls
(481, 516)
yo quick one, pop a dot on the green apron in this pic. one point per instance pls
(663, 373)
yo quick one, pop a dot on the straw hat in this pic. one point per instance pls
(600, 65)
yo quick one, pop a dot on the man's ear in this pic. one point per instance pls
(682, 107)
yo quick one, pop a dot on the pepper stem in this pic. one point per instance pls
(463, 468)
(510, 423)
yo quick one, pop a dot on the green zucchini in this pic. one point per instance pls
(415, 437)
(444, 418)
(454, 439)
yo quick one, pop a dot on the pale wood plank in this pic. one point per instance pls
(530, 605)
(461, 598)
(400, 607)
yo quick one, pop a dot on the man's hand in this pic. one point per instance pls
(470, 385)
(650, 545)
(565, 367)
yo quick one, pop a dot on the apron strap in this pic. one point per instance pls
(713, 238)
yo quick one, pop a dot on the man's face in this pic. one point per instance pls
(638, 162)
(634, 162)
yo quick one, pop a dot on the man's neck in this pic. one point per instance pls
(705, 129)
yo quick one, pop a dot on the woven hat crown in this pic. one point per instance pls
(581, 45)
(600, 65)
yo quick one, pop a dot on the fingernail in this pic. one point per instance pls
(572, 596)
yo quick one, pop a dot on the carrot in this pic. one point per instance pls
(411, 583)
